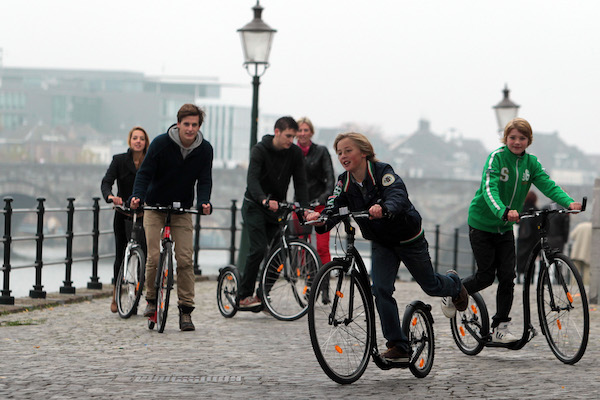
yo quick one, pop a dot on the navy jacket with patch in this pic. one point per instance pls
(383, 187)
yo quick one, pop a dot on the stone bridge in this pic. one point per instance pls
(440, 201)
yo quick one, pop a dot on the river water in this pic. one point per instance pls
(22, 280)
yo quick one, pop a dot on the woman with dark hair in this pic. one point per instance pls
(123, 169)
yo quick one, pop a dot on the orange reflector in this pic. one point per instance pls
(421, 363)
(229, 277)
(414, 321)
(226, 307)
(338, 349)
(280, 268)
(462, 331)
(298, 271)
(474, 309)
(559, 324)
(569, 297)
(137, 286)
(339, 294)
(305, 290)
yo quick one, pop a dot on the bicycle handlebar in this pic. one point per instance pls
(176, 207)
(536, 213)
(344, 212)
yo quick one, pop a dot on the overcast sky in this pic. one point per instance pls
(386, 63)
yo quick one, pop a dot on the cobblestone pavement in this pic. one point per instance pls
(81, 350)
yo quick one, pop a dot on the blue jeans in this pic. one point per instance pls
(386, 261)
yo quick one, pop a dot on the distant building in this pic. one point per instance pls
(427, 155)
(110, 103)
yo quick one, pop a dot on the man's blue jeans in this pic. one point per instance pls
(386, 261)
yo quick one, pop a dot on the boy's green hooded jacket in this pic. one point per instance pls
(506, 180)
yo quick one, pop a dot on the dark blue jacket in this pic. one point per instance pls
(384, 187)
(166, 177)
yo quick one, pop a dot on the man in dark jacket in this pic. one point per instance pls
(273, 162)
(176, 161)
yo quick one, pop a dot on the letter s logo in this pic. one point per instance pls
(504, 174)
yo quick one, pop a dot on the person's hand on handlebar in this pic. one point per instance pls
(134, 203)
(116, 200)
(206, 209)
(272, 205)
(376, 212)
(313, 216)
(513, 216)
(575, 206)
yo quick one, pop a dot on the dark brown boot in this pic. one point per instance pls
(113, 305)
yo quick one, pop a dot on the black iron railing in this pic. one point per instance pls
(449, 249)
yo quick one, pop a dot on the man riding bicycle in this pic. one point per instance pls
(273, 162)
(176, 161)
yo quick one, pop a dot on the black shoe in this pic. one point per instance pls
(396, 355)
(185, 322)
(325, 297)
(150, 309)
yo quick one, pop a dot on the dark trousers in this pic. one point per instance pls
(260, 229)
(385, 264)
(122, 225)
(495, 256)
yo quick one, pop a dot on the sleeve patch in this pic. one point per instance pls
(388, 179)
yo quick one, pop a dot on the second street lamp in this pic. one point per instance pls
(256, 42)
(506, 110)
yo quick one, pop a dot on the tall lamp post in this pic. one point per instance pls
(506, 110)
(256, 42)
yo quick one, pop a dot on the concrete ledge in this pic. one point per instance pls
(23, 304)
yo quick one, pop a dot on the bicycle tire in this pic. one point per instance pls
(417, 324)
(227, 291)
(129, 288)
(566, 323)
(165, 284)
(470, 327)
(286, 295)
(342, 342)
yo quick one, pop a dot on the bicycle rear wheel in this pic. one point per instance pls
(341, 326)
(227, 291)
(286, 283)
(417, 324)
(165, 284)
(469, 327)
(130, 282)
(563, 309)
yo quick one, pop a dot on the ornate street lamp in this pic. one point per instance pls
(256, 42)
(506, 110)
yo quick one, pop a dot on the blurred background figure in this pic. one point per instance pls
(581, 250)
(123, 169)
(319, 176)
(558, 228)
(527, 236)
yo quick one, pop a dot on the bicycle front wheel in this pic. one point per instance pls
(417, 324)
(227, 289)
(563, 309)
(165, 284)
(286, 281)
(470, 327)
(130, 282)
(340, 323)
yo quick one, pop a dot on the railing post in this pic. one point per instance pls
(6, 298)
(437, 248)
(197, 270)
(455, 264)
(37, 292)
(68, 287)
(94, 283)
(233, 231)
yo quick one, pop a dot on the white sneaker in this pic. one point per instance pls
(502, 335)
(448, 307)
